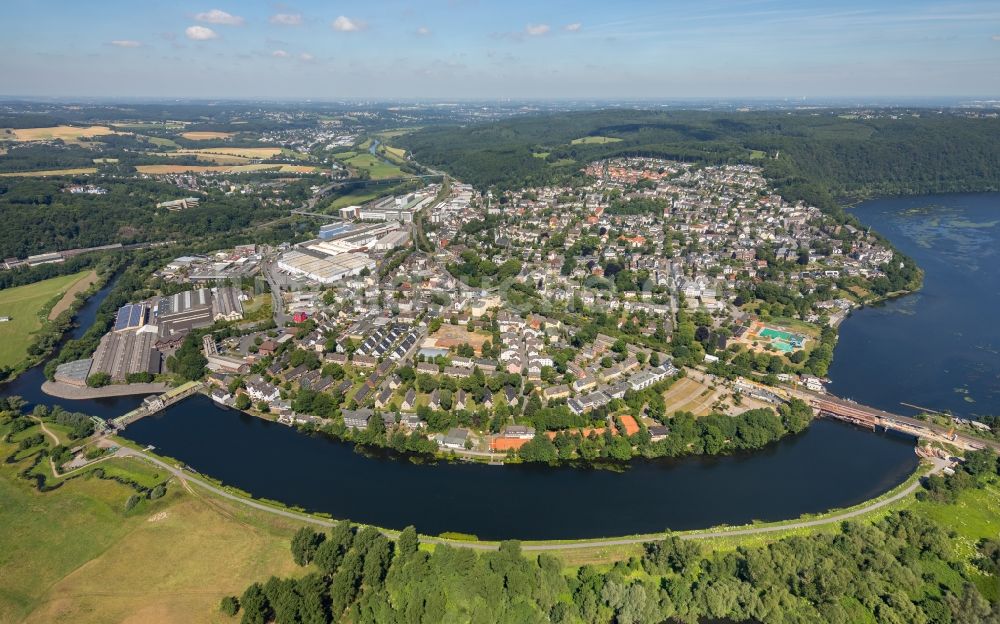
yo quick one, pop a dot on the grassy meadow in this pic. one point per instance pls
(27, 308)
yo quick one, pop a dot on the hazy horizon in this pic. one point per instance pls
(469, 50)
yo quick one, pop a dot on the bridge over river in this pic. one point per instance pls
(833, 407)
(155, 404)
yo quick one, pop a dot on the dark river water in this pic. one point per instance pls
(938, 348)
(829, 465)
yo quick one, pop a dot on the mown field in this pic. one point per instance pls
(75, 554)
(24, 305)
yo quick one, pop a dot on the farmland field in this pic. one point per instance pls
(242, 152)
(49, 172)
(227, 155)
(206, 136)
(69, 134)
(167, 169)
(24, 304)
(162, 142)
(596, 140)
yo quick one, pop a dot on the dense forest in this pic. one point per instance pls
(810, 155)
(38, 216)
(901, 569)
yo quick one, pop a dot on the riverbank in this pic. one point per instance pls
(831, 517)
(76, 393)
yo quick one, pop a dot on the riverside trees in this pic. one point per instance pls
(899, 569)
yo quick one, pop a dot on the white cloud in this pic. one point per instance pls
(287, 19)
(536, 30)
(995, 37)
(279, 54)
(574, 27)
(126, 43)
(423, 31)
(200, 33)
(217, 16)
(346, 24)
(306, 57)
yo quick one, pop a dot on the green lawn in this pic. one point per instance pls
(25, 305)
(376, 168)
(595, 140)
(163, 142)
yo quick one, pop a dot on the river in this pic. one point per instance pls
(829, 465)
(938, 348)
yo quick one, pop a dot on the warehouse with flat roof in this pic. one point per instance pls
(122, 353)
(323, 268)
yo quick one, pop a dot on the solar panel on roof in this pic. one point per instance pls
(135, 316)
(121, 321)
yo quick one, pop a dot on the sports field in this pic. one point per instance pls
(24, 305)
(782, 340)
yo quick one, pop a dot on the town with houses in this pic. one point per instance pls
(472, 323)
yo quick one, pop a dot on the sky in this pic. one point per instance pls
(500, 49)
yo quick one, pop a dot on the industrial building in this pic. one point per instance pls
(399, 238)
(122, 353)
(323, 268)
(226, 304)
(184, 311)
(179, 204)
(350, 237)
(400, 208)
(131, 316)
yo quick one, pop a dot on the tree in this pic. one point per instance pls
(230, 605)
(98, 380)
(242, 402)
(304, 545)
(980, 462)
(256, 609)
(408, 542)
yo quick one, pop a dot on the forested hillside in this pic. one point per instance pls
(39, 217)
(814, 155)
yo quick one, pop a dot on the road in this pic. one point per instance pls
(277, 304)
(186, 478)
